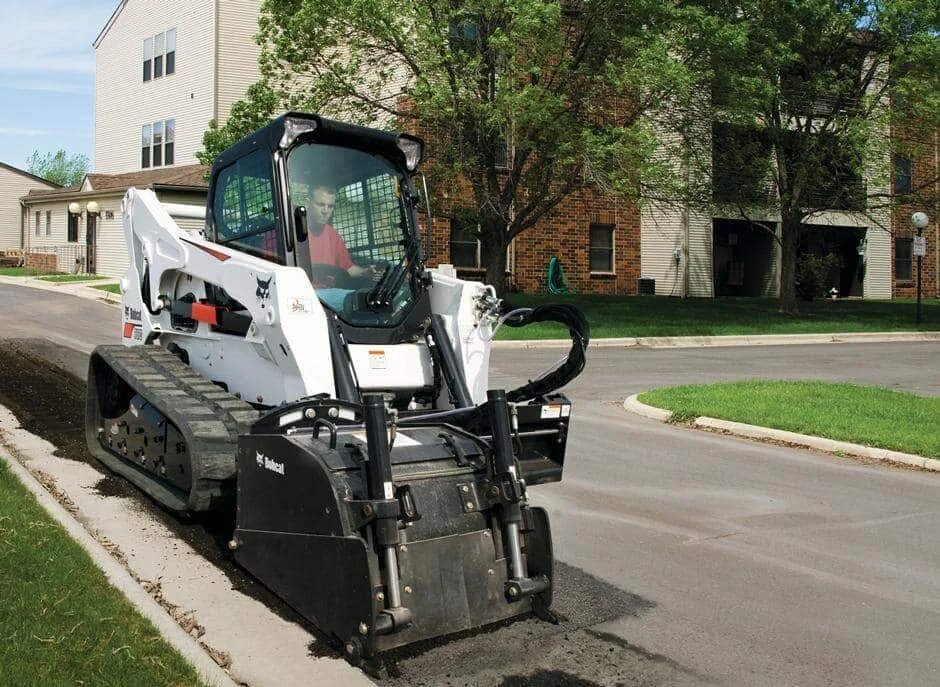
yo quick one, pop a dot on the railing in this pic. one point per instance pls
(71, 258)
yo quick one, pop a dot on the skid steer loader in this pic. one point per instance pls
(339, 402)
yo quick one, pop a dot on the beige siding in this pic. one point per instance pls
(663, 230)
(124, 103)
(14, 186)
(237, 57)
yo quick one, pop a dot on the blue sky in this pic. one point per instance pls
(47, 76)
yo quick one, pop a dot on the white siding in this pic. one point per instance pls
(663, 231)
(237, 57)
(112, 248)
(14, 186)
(124, 102)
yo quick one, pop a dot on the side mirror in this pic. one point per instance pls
(300, 223)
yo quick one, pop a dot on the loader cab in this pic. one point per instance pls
(337, 201)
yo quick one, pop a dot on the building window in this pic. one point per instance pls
(148, 58)
(48, 222)
(465, 248)
(36, 226)
(157, 143)
(902, 174)
(601, 254)
(903, 259)
(73, 228)
(160, 55)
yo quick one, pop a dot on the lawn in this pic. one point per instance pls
(868, 415)
(18, 272)
(637, 316)
(61, 622)
(110, 288)
(64, 278)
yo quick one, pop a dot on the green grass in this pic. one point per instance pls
(636, 316)
(110, 288)
(868, 415)
(18, 272)
(63, 278)
(61, 623)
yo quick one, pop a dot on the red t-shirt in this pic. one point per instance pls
(328, 248)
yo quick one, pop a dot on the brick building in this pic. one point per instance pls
(919, 175)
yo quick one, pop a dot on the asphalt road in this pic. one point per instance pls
(746, 563)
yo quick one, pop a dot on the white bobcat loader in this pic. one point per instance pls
(379, 486)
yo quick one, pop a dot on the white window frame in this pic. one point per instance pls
(613, 247)
(162, 47)
(168, 139)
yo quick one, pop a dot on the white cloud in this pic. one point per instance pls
(17, 131)
(49, 86)
(51, 37)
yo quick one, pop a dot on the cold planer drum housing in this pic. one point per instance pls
(384, 531)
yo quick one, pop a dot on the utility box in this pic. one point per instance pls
(646, 286)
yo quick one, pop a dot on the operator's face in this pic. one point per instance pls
(322, 204)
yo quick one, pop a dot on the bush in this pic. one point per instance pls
(816, 274)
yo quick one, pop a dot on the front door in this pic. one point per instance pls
(91, 242)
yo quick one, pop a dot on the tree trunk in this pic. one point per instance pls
(790, 227)
(494, 254)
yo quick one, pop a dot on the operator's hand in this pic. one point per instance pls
(370, 272)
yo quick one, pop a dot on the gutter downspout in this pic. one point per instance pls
(936, 213)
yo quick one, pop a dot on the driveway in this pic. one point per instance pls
(729, 561)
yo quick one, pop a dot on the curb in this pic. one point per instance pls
(729, 340)
(175, 636)
(632, 404)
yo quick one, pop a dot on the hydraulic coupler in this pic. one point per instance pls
(387, 510)
(511, 496)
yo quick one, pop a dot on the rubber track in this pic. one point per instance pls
(208, 418)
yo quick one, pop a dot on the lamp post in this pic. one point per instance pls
(920, 221)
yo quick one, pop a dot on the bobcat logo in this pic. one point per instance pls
(264, 290)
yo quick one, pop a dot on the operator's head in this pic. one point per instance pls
(322, 203)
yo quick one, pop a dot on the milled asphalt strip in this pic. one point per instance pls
(633, 405)
(174, 635)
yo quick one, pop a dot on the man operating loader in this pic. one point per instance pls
(327, 247)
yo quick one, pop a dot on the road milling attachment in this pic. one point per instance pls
(152, 419)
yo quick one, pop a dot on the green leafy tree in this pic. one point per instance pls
(62, 168)
(522, 102)
(806, 100)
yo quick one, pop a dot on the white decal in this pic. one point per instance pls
(551, 412)
(268, 463)
(377, 360)
(300, 305)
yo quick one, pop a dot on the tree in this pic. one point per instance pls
(60, 168)
(522, 102)
(807, 96)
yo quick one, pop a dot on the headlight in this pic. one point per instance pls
(413, 149)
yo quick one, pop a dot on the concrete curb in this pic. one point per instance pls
(740, 429)
(208, 670)
(732, 340)
(85, 290)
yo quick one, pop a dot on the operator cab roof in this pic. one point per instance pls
(283, 132)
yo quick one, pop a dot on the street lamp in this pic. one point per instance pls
(75, 208)
(920, 221)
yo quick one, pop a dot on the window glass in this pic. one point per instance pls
(37, 223)
(145, 143)
(602, 248)
(157, 144)
(903, 249)
(48, 223)
(171, 51)
(243, 208)
(169, 137)
(359, 231)
(902, 174)
(464, 245)
(148, 58)
(158, 55)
